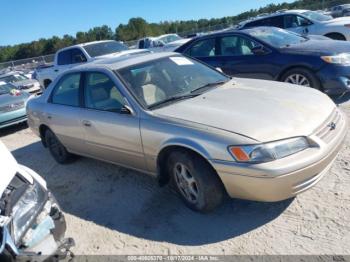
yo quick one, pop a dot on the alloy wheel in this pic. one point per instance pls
(297, 79)
(186, 183)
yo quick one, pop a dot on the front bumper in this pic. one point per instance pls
(52, 244)
(335, 79)
(12, 117)
(284, 178)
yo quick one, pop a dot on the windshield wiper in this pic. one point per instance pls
(172, 99)
(209, 85)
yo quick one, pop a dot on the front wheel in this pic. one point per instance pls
(302, 77)
(196, 181)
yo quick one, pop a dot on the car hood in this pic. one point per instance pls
(262, 110)
(122, 53)
(8, 167)
(337, 21)
(317, 47)
(25, 82)
(10, 99)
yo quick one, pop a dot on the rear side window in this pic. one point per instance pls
(276, 21)
(64, 58)
(101, 93)
(261, 22)
(66, 91)
(203, 48)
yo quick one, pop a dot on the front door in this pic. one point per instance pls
(111, 134)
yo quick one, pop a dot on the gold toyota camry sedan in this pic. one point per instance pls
(188, 124)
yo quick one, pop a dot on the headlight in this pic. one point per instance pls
(341, 59)
(269, 151)
(26, 209)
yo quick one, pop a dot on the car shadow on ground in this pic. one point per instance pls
(13, 129)
(132, 203)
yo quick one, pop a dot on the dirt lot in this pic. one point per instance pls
(112, 210)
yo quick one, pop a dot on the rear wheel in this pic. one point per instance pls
(57, 150)
(195, 180)
(336, 36)
(302, 77)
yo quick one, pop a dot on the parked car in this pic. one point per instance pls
(32, 225)
(179, 120)
(163, 43)
(21, 82)
(12, 105)
(72, 56)
(340, 10)
(304, 22)
(276, 54)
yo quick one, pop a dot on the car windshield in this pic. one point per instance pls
(13, 78)
(5, 88)
(276, 37)
(104, 48)
(166, 80)
(315, 16)
(169, 38)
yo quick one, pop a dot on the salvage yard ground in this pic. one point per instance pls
(112, 210)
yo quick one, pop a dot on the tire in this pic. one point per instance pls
(336, 36)
(205, 191)
(300, 73)
(57, 150)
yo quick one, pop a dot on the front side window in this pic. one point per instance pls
(101, 93)
(203, 48)
(66, 91)
(165, 80)
(293, 21)
(236, 46)
(64, 57)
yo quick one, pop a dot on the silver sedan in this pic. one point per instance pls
(188, 124)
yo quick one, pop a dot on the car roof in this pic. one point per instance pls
(125, 61)
(85, 44)
(257, 18)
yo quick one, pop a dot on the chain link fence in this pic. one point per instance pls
(26, 64)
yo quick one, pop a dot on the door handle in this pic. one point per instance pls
(49, 117)
(56, 70)
(86, 123)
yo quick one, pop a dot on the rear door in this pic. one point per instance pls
(63, 112)
(237, 58)
(111, 134)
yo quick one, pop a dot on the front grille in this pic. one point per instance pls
(12, 107)
(330, 128)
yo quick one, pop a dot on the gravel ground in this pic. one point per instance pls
(112, 210)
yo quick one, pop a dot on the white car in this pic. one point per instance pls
(340, 10)
(72, 56)
(32, 224)
(163, 43)
(304, 22)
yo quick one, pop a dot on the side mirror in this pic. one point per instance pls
(219, 69)
(259, 50)
(126, 110)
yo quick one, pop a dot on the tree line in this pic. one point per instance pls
(137, 28)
